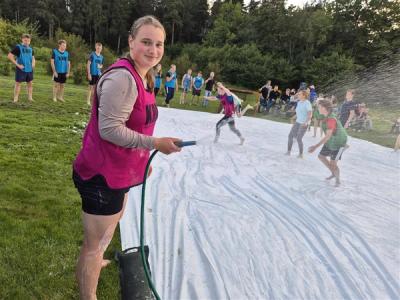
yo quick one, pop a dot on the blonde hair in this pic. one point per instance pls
(62, 42)
(146, 20)
(304, 93)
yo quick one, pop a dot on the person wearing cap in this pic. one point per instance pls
(22, 56)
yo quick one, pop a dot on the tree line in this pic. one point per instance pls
(322, 42)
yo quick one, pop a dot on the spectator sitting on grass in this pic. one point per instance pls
(362, 120)
(273, 96)
(285, 99)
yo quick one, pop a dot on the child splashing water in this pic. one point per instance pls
(226, 98)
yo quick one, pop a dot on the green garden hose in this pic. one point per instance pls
(142, 221)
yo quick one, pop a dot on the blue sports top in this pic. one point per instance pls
(61, 60)
(95, 61)
(198, 82)
(171, 83)
(25, 57)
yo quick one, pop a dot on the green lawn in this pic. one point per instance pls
(40, 219)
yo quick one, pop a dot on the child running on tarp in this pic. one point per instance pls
(334, 141)
(226, 98)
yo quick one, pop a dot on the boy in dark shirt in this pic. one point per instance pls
(347, 111)
(209, 88)
(273, 96)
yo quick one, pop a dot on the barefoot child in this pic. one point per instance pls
(226, 98)
(61, 66)
(186, 84)
(334, 141)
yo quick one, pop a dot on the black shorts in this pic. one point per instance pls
(95, 79)
(196, 92)
(21, 76)
(97, 197)
(333, 154)
(169, 92)
(61, 78)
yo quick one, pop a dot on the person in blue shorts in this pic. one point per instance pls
(61, 67)
(197, 84)
(23, 57)
(93, 68)
(170, 84)
(186, 85)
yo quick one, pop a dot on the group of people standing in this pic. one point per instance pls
(189, 83)
(334, 136)
(23, 57)
(119, 135)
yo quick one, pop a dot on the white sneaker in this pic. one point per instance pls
(55, 99)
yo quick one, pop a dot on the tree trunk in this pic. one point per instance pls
(51, 30)
(172, 35)
(119, 43)
(90, 35)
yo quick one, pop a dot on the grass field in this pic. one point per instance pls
(40, 224)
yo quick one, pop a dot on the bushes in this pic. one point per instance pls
(109, 57)
(10, 33)
(42, 53)
(5, 65)
(79, 73)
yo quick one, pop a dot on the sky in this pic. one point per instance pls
(296, 2)
(288, 2)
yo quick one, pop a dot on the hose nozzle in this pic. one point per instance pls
(185, 143)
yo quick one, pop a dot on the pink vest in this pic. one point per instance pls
(229, 108)
(121, 167)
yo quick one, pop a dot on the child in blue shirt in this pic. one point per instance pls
(23, 57)
(157, 79)
(197, 84)
(93, 68)
(186, 85)
(61, 67)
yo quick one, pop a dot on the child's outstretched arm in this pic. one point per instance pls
(212, 98)
(326, 138)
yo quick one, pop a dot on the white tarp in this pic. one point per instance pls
(225, 221)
